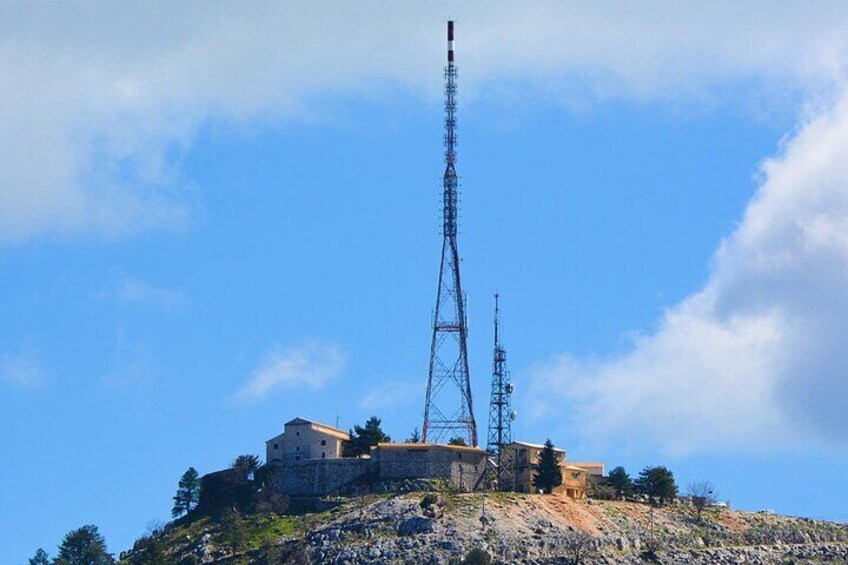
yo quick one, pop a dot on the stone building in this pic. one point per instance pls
(304, 439)
(306, 460)
(460, 466)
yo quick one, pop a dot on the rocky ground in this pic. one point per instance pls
(511, 528)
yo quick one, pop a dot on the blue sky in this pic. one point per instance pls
(194, 252)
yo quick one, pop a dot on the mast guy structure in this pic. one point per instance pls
(502, 474)
(448, 411)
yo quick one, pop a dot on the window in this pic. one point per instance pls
(297, 457)
(276, 446)
(323, 442)
(297, 448)
(297, 434)
(322, 455)
(459, 455)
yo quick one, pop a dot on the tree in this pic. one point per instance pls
(363, 438)
(245, 466)
(149, 550)
(84, 546)
(40, 558)
(702, 495)
(188, 493)
(579, 546)
(233, 529)
(548, 474)
(414, 437)
(457, 441)
(657, 483)
(620, 481)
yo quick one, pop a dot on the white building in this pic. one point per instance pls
(304, 439)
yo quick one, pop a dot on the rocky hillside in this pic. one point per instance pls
(510, 528)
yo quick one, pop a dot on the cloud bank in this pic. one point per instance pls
(758, 357)
(309, 365)
(100, 99)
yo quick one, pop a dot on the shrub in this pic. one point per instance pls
(428, 500)
(477, 556)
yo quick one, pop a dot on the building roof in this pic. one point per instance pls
(321, 427)
(425, 446)
(535, 445)
(590, 466)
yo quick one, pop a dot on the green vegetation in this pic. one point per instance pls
(245, 466)
(40, 558)
(619, 480)
(414, 437)
(83, 546)
(477, 556)
(657, 483)
(188, 493)
(548, 474)
(363, 438)
(457, 441)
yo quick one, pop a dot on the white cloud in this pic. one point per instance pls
(757, 357)
(21, 370)
(99, 99)
(392, 393)
(134, 290)
(308, 365)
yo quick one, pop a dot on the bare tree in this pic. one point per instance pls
(578, 546)
(702, 496)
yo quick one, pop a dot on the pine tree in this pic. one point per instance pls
(657, 483)
(84, 546)
(188, 493)
(40, 558)
(548, 474)
(362, 439)
(415, 437)
(620, 481)
(245, 466)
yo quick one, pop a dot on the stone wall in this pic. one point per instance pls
(461, 468)
(319, 477)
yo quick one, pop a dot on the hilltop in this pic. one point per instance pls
(419, 527)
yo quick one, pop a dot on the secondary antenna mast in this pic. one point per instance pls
(501, 415)
(448, 411)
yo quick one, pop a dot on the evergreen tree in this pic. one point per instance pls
(620, 481)
(657, 483)
(246, 466)
(188, 493)
(84, 546)
(40, 558)
(548, 474)
(233, 529)
(362, 439)
(457, 441)
(415, 437)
